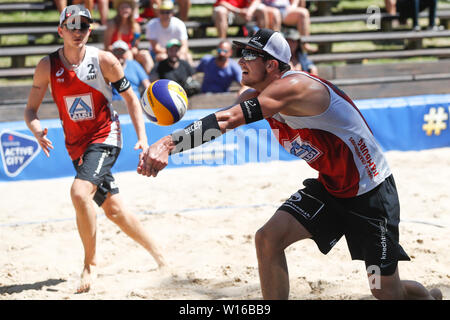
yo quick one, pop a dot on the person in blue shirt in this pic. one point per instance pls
(220, 71)
(133, 70)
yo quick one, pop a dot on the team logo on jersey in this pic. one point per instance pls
(80, 107)
(59, 72)
(302, 149)
(17, 151)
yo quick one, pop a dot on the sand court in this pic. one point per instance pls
(205, 219)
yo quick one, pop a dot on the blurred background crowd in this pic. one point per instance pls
(163, 24)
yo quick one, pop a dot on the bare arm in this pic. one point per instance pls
(251, 9)
(113, 72)
(157, 48)
(273, 99)
(40, 83)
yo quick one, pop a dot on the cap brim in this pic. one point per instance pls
(80, 15)
(241, 45)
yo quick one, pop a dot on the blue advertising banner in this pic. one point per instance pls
(406, 123)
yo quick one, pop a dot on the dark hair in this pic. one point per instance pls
(281, 65)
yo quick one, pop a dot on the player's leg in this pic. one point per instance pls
(129, 223)
(392, 288)
(308, 213)
(220, 17)
(271, 240)
(82, 192)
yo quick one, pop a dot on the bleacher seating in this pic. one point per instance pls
(387, 83)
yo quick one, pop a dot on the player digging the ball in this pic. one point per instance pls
(81, 80)
(354, 195)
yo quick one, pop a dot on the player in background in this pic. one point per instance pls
(355, 193)
(81, 79)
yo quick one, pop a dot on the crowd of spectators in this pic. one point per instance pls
(162, 24)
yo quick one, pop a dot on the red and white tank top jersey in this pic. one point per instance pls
(84, 104)
(337, 143)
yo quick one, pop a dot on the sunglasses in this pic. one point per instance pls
(165, 12)
(222, 50)
(249, 55)
(83, 27)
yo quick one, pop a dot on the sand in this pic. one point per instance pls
(204, 219)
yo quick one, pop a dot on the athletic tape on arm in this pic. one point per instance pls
(196, 134)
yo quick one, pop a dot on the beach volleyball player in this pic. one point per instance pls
(80, 78)
(355, 193)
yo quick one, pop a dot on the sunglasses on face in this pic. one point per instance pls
(118, 52)
(249, 55)
(222, 51)
(165, 12)
(83, 27)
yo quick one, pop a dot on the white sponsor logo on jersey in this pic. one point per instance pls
(59, 72)
(302, 149)
(80, 107)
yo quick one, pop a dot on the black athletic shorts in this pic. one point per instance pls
(95, 166)
(369, 222)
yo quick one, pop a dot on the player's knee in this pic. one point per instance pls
(386, 294)
(77, 195)
(265, 242)
(113, 212)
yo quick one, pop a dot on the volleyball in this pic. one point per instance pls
(164, 102)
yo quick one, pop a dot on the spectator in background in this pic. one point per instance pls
(220, 71)
(288, 12)
(411, 8)
(151, 9)
(124, 27)
(176, 69)
(160, 30)
(133, 70)
(299, 58)
(183, 9)
(103, 7)
(227, 12)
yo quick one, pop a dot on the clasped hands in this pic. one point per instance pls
(155, 158)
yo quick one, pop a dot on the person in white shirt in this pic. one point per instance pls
(164, 28)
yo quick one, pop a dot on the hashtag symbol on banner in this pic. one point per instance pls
(435, 121)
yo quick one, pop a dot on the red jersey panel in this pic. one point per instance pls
(337, 143)
(84, 103)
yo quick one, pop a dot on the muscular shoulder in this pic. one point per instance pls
(43, 67)
(41, 76)
(299, 94)
(110, 65)
(44, 63)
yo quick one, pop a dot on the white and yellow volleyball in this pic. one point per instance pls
(164, 102)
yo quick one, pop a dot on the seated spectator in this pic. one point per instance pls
(389, 5)
(411, 8)
(103, 7)
(228, 12)
(176, 69)
(183, 9)
(150, 9)
(124, 27)
(287, 12)
(299, 58)
(133, 70)
(220, 71)
(160, 30)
